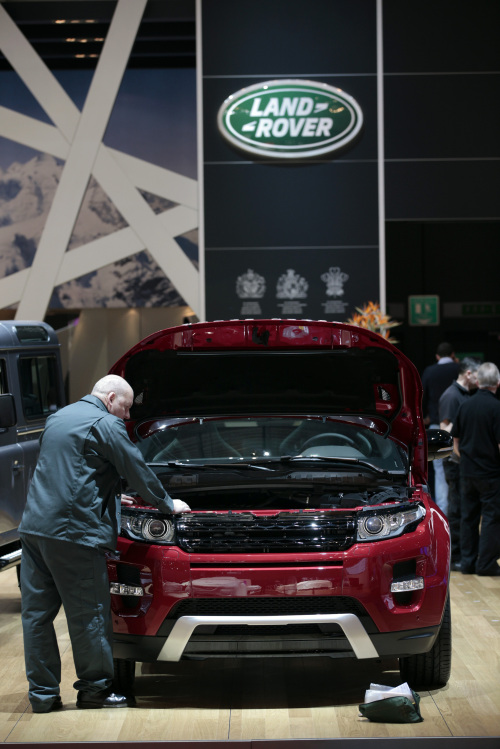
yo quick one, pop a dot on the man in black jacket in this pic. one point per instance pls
(435, 379)
(71, 519)
(476, 433)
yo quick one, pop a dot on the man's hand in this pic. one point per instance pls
(180, 506)
(126, 499)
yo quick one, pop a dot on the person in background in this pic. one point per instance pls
(71, 520)
(476, 438)
(449, 403)
(435, 379)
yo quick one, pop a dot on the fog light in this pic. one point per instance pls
(119, 589)
(403, 586)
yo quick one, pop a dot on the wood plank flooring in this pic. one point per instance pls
(257, 699)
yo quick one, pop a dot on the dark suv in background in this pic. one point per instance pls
(301, 450)
(31, 388)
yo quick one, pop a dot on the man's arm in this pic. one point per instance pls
(447, 410)
(130, 464)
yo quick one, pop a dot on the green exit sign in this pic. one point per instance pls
(423, 310)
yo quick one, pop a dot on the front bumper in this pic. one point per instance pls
(352, 641)
(334, 604)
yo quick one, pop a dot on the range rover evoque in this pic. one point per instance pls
(301, 450)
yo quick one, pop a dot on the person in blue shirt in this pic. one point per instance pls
(71, 520)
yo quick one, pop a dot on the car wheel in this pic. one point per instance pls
(124, 676)
(431, 670)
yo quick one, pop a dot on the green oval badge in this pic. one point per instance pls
(290, 118)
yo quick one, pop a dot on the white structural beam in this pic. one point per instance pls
(39, 79)
(12, 287)
(381, 156)
(144, 175)
(157, 180)
(141, 219)
(201, 156)
(74, 138)
(101, 252)
(78, 168)
(121, 244)
(32, 133)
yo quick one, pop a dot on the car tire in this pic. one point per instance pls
(124, 676)
(431, 670)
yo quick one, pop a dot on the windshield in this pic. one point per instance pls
(263, 440)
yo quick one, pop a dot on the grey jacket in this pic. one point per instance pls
(75, 491)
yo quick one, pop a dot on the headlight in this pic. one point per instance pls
(375, 525)
(146, 526)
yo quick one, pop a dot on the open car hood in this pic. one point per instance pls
(278, 367)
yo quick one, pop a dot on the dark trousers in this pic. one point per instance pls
(480, 505)
(55, 572)
(452, 475)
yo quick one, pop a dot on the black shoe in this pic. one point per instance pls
(455, 567)
(493, 573)
(95, 700)
(41, 707)
(467, 572)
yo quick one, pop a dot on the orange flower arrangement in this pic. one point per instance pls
(370, 317)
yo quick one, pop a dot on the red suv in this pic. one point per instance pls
(301, 450)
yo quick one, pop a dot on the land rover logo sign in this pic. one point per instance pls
(290, 119)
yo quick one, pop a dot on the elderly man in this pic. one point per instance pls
(476, 434)
(71, 519)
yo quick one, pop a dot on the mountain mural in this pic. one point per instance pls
(26, 194)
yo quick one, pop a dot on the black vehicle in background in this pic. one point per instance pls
(31, 387)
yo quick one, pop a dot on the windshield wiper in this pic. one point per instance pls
(180, 464)
(342, 461)
(237, 463)
(263, 464)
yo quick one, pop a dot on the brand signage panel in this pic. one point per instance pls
(290, 119)
(322, 284)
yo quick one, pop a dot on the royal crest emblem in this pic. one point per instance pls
(291, 286)
(250, 285)
(335, 281)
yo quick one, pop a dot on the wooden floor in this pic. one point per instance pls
(258, 699)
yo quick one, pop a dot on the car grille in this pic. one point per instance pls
(284, 532)
(267, 606)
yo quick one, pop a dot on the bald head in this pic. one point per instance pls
(116, 394)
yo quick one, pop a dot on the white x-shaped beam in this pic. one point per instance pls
(76, 137)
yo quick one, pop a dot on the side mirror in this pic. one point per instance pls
(8, 416)
(439, 444)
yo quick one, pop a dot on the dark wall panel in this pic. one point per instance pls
(266, 205)
(442, 116)
(272, 38)
(458, 262)
(441, 35)
(441, 109)
(433, 190)
(289, 217)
